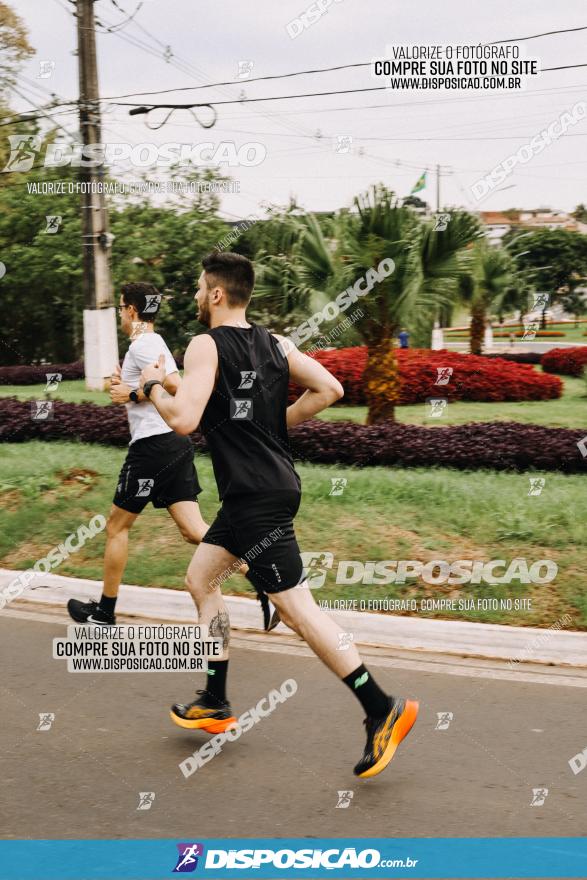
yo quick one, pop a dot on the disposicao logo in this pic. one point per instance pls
(187, 860)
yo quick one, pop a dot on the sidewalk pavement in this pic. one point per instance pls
(452, 637)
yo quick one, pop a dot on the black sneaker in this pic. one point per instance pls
(275, 619)
(271, 616)
(89, 612)
(206, 713)
(384, 736)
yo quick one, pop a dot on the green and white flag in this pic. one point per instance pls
(420, 184)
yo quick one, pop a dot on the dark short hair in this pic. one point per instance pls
(233, 272)
(144, 297)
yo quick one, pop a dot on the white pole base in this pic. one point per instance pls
(100, 347)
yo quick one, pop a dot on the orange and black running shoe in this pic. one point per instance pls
(206, 713)
(384, 735)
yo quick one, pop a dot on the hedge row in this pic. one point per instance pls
(493, 445)
(568, 361)
(35, 375)
(473, 377)
(517, 357)
(498, 446)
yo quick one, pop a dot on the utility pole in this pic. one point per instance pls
(439, 172)
(100, 340)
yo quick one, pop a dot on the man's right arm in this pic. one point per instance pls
(322, 388)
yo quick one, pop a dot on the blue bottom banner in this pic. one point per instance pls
(368, 858)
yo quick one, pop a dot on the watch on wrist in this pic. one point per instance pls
(134, 396)
(148, 386)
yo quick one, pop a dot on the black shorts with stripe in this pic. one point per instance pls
(159, 470)
(259, 530)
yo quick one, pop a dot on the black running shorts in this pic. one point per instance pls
(259, 530)
(160, 470)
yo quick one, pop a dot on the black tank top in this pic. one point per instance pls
(245, 419)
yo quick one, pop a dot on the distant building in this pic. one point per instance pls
(498, 223)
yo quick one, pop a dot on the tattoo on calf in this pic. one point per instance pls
(219, 628)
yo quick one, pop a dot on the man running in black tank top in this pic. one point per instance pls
(234, 388)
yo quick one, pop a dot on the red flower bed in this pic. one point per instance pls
(568, 361)
(472, 378)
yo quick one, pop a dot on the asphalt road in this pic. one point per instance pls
(112, 738)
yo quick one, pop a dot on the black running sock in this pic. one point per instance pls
(216, 680)
(374, 701)
(107, 603)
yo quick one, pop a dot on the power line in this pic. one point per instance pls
(171, 59)
(287, 75)
(243, 82)
(536, 36)
(311, 71)
(123, 24)
(249, 100)
(563, 67)
(198, 74)
(23, 118)
(41, 111)
(308, 72)
(168, 56)
(480, 137)
(69, 12)
(535, 94)
(34, 117)
(147, 109)
(145, 31)
(111, 28)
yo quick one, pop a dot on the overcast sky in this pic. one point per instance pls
(467, 133)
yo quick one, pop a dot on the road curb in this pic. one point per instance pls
(453, 637)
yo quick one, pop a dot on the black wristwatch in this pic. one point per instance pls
(134, 396)
(147, 387)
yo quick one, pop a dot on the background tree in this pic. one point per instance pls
(14, 48)
(165, 244)
(574, 304)
(557, 259)
(415, 202)
(580, 213)
(42, 291)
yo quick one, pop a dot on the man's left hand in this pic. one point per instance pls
(119, 393)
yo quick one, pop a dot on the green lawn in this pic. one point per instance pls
(570, 411)
(73, 391)
(572, 333)
(48, 489)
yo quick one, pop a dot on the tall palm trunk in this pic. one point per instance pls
(381, 381)
(477, 330)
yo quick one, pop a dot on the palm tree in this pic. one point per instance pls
(428, 266)
(447, 260)
(379, 229)
(301, 273)
(493, 278)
